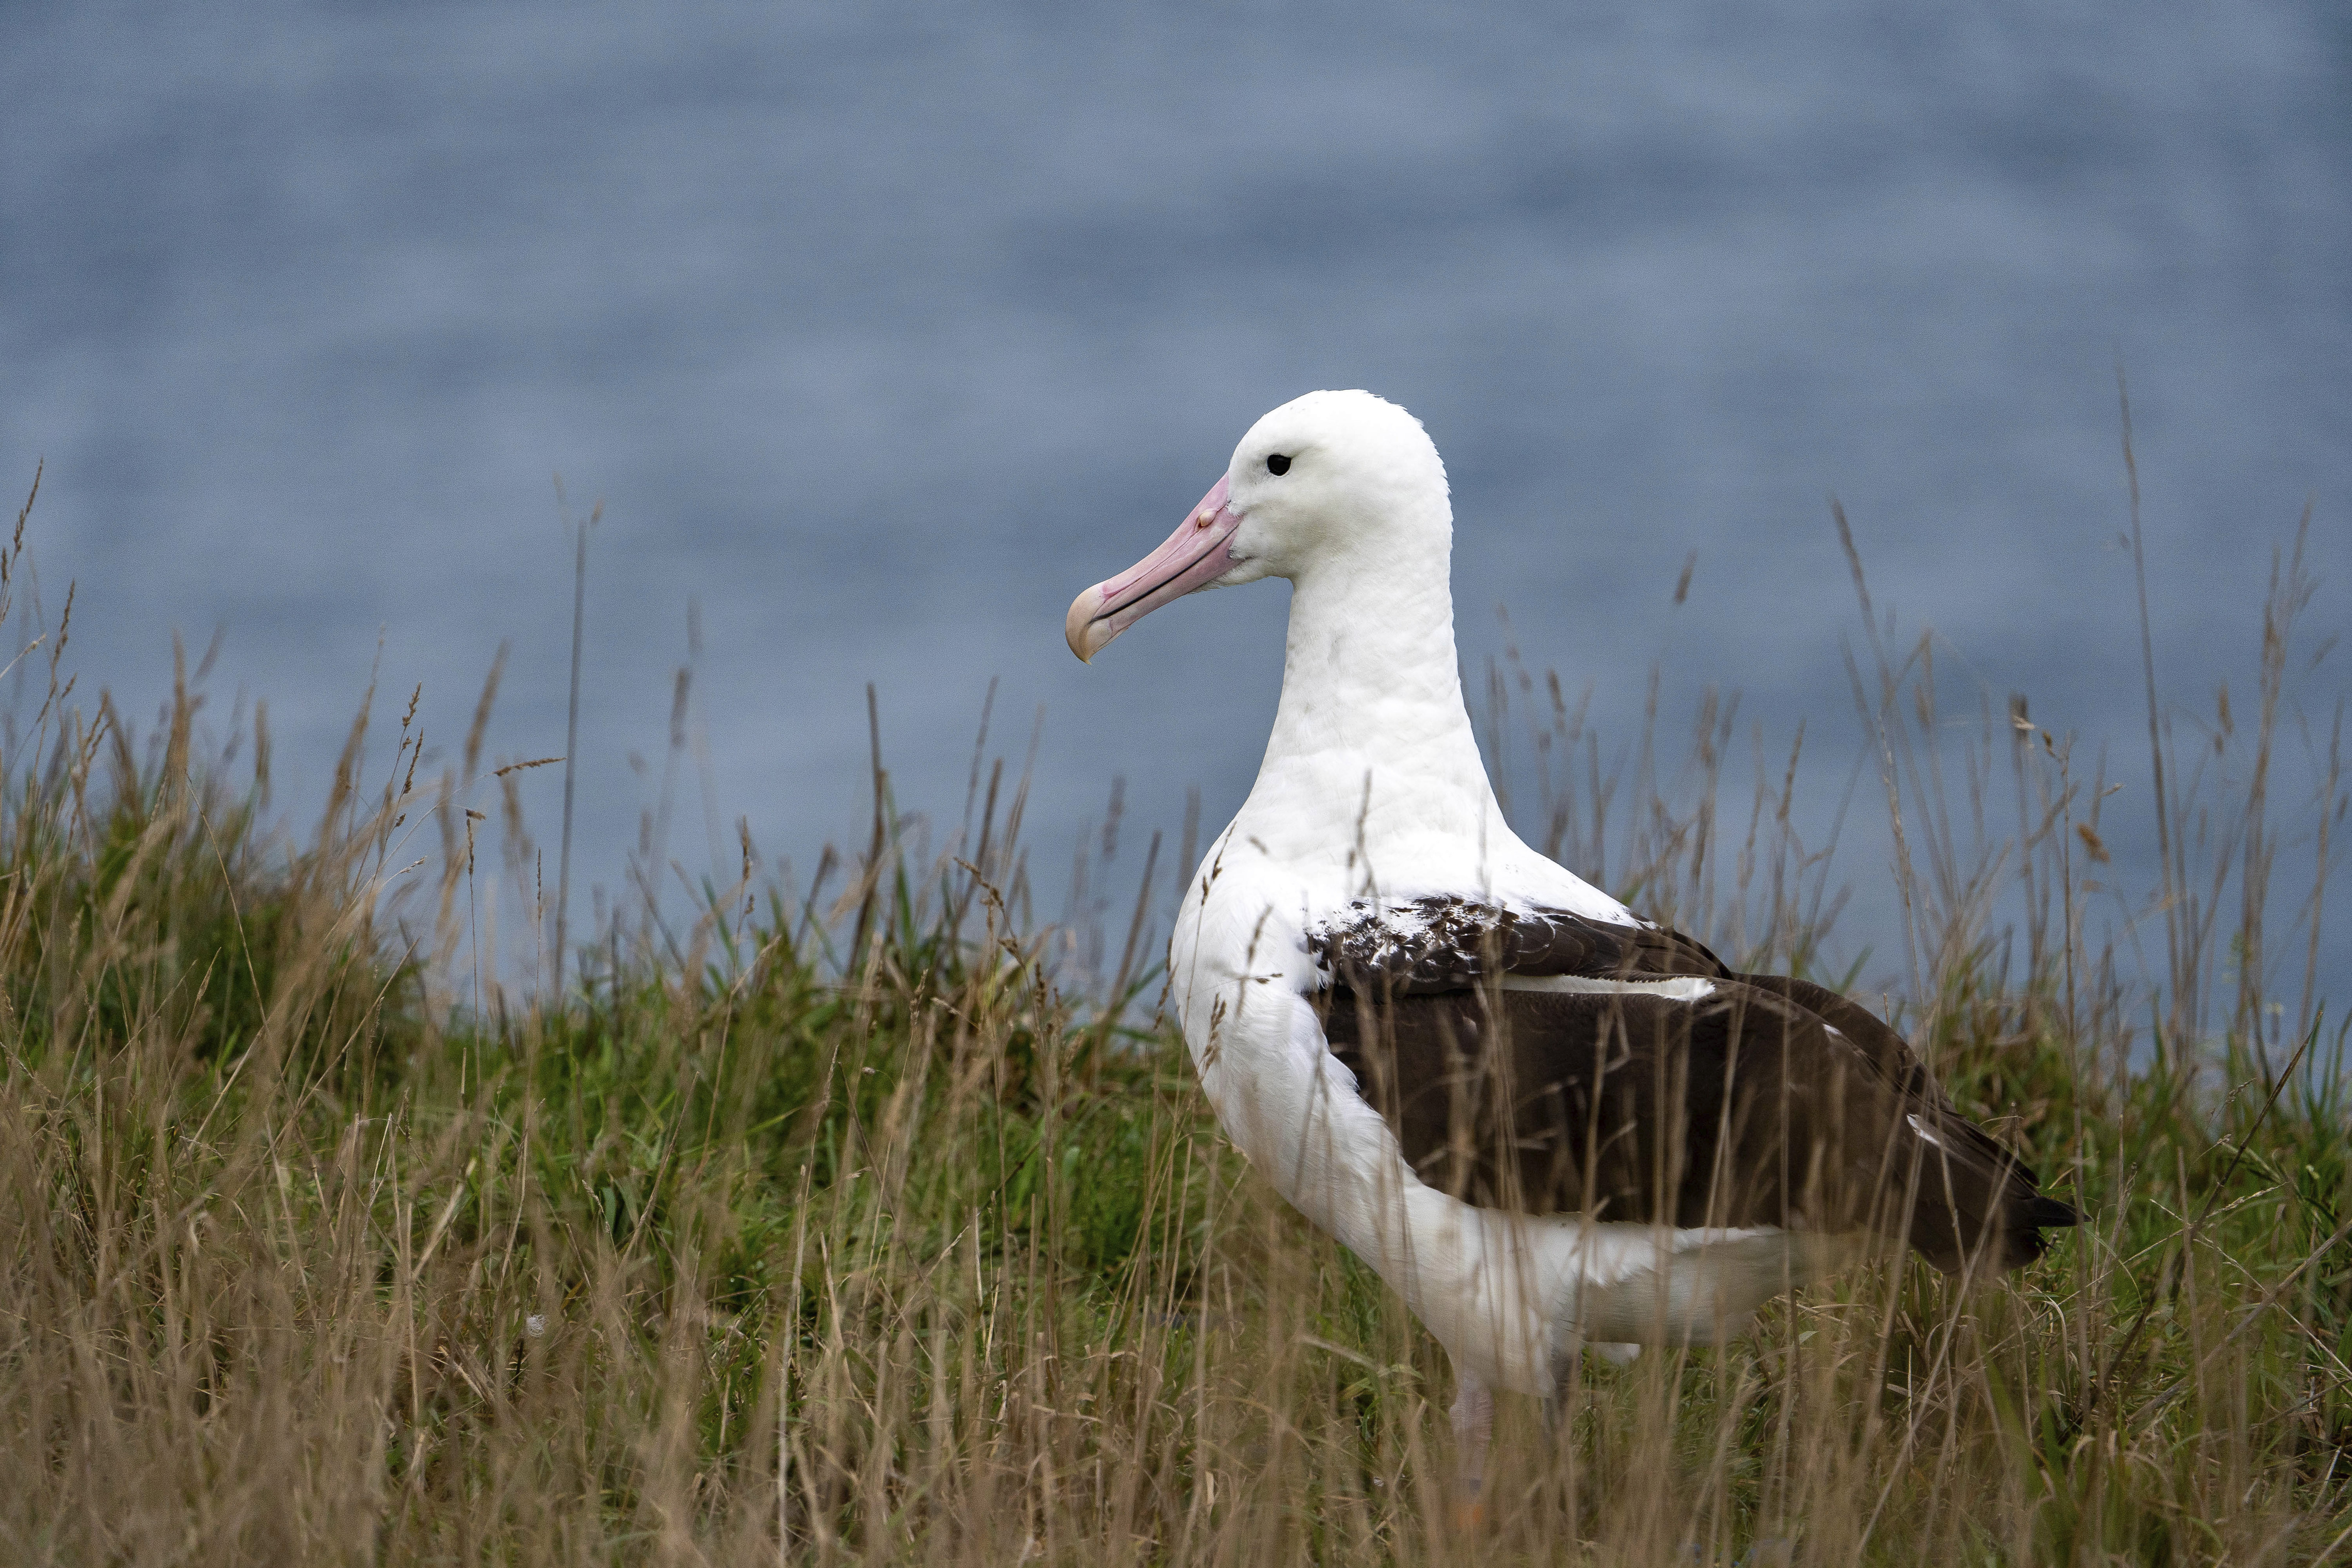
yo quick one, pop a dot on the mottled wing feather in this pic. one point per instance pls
(1432, 945)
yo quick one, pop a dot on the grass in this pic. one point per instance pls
(834, 1220)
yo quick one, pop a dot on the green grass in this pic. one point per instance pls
(319, 1247)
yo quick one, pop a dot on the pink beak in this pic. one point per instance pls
(1198, 553)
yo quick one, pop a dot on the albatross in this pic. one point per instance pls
(1549, 1123)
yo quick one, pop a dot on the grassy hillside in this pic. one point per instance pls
(830, 1219)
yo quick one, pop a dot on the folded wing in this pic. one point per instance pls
(1548, 1063)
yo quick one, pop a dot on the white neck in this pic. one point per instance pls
(1371, 744)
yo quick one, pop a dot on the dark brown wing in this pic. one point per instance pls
(1891, 1055)
(1742, 1107)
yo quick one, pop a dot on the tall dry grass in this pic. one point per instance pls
(832, 1221)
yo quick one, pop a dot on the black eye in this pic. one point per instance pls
(1277, 464)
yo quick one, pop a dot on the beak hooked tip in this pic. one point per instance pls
(1079, 627)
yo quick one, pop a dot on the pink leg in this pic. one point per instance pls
(1474, 1427)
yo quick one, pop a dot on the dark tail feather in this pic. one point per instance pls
(2046, 1212)
(1961, 1209)
(2020, 1240)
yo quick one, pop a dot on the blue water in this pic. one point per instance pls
(880, 333)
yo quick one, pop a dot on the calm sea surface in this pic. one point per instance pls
(878, 333)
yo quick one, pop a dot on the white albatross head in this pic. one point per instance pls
(1333, 481)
